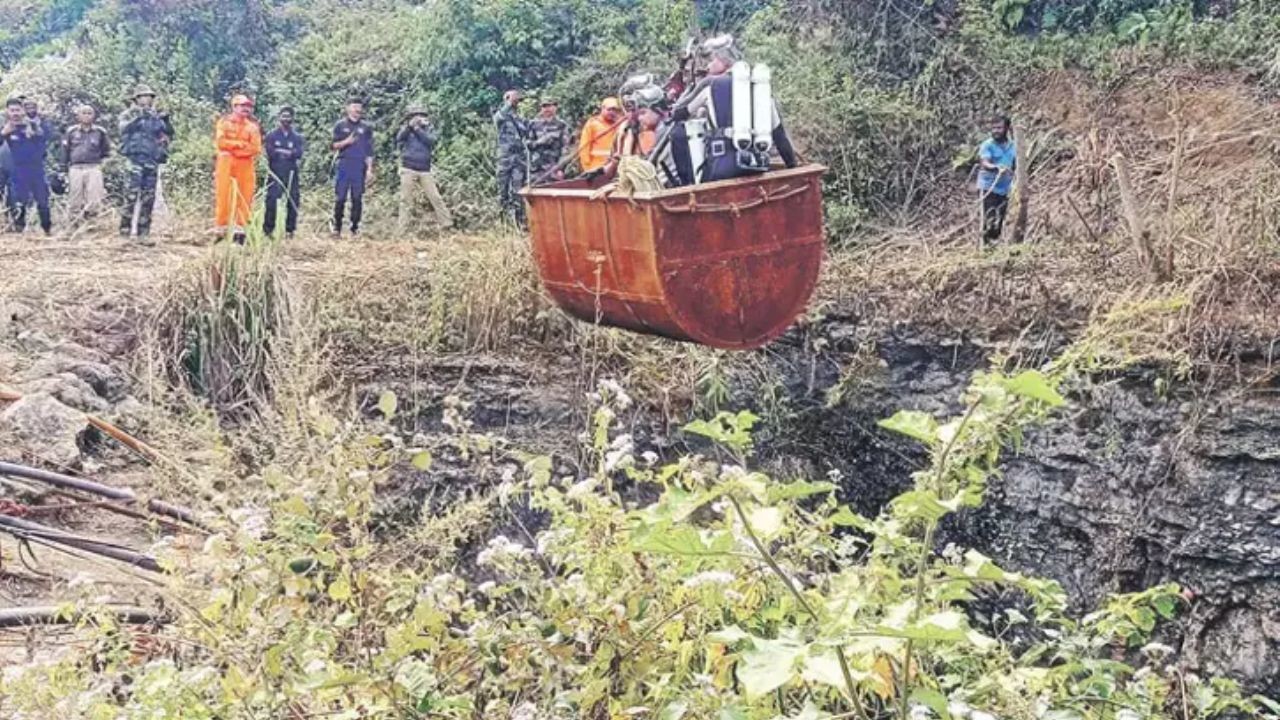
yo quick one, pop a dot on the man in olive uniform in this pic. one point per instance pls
(513, 167)
(144, 140)
(548, 137)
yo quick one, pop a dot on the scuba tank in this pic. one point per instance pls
(762, 108)
(741, 130)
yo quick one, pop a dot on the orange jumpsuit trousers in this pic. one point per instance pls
(239, 142)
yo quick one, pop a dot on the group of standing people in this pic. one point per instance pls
(27, 138)
(239, 142)
(145, 134)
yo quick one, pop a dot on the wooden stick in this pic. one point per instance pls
(1141, 237)
(1022, 188)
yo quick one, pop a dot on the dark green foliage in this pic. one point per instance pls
(887, 94)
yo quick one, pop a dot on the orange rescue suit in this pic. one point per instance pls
(596, 146)
(239, 142)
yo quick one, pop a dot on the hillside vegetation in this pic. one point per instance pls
(426, 493)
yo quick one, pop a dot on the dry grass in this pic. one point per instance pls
(1217, 222)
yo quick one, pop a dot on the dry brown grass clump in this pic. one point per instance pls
(224, 322)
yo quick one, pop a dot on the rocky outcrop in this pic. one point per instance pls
(1125, 489)
(56, 384)
(46, 428)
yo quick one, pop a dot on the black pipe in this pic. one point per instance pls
(27, 530)
(67, 482)
(54, 615)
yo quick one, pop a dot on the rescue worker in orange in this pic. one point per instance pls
(595, 149)
(239, 143)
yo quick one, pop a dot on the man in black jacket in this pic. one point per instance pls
(417, 142)
(284, 147)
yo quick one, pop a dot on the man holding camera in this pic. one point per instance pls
(417, 142)
(145, 134)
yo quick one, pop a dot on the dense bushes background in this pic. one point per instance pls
(886, 93)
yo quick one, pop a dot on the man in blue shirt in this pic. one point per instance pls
(353, 141)
(28, 144)
(997, 159)
(284, 148)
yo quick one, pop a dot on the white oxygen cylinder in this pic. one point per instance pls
(697, 131)
(741, 131)
(762, 107)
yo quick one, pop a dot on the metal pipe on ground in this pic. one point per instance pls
(55, 615)
(27, 530)
(67, 482)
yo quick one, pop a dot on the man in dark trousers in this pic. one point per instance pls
(997, 160)
(6, 172)
(513, 161)
(28, 144)
(145, 134)
(417, 143)
(353, 141)
(285, 148)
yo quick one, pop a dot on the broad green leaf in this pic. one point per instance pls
(674, 711)
(800, 489)
(682, 540)
(387, 404)
(766, 521)
(844, 517)
(731, 635)
(932, 699)
(946, 626)
(340, 589)
(914, 424)
(769, 665)
(924, 505)
(1166, 606)
(422, 461)
(823, 668)
(1034, 385)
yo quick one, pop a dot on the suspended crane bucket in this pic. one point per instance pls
(728, 264)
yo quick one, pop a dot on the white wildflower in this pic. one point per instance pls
(525, 711)
(501, 550)
(615, 392)
(920, 712)
(582, 489)
(710, 577)
(650, 457)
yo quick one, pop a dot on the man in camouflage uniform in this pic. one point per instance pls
(548, 136)
(144, 139)
(513, 162)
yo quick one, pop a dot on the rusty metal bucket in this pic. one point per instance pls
(728, 264)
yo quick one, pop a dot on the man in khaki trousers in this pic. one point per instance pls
(417, 142)
(84, 147)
